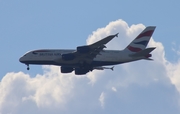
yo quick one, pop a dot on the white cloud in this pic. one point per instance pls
(174, 73)
(101, 99)
(176, 48)
(51, 89)
(114, 89)
(143, 86)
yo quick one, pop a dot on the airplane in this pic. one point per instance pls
(87, 58)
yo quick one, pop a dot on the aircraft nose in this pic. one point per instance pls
(21, 59)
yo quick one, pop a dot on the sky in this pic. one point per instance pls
(139, 87)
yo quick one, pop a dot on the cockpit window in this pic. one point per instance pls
(34, 53)
(24, 55)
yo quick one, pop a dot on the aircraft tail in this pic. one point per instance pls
(141, 41)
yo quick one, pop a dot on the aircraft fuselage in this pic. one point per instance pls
(54, 57)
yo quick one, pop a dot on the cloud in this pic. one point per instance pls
(176, 48)
(173, 73)
(101, 99)
(114, 89)
(136, 87)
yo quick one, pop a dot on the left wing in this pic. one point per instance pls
(88, 52)
(103, 41)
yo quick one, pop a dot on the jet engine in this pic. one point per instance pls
(66, 69)
(83, 49)
(68, 56)
(81, 71)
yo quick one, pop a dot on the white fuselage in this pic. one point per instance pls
(54, 57)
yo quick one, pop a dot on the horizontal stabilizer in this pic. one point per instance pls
(143, 52)
(149, 59)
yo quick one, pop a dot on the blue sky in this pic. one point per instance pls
(28, 25)
(38, 24)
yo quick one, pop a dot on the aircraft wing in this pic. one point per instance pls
(104, 41)
(88, 52)
(92, 50)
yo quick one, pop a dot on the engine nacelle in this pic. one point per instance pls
(80, 71)
(68, 57)
(83, 49)
(66, 69)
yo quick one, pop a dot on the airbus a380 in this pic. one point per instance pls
(89, 57)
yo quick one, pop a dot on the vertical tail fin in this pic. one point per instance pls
(141, 41)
